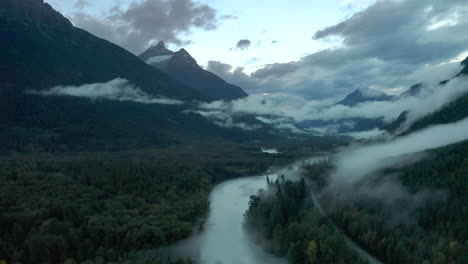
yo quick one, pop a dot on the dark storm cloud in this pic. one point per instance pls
(148, 21)
(243, 44)
(391, 44)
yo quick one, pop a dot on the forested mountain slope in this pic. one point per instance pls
(40, 49)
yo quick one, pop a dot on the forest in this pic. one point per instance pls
(404, 214)
(418, 218)
(97, 207)
(288, 225)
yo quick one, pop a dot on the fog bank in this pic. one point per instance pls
(283, 111)
(225, 240)
(117, 90)
(354, 163)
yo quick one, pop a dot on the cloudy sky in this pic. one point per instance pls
(309, 48)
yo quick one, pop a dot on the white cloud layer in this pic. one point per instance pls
(387, 46)
(283, 110)
(357, 162)
(117, 89)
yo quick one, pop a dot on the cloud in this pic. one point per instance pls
(357, 162)
(147, 21)
(227, 17)
(217, 66)
(391, 44)
(222, 119)
(80, 4)
(286, 110)
(243, 44)
(432, 98)
(253, 60)
(370, 134)
(117, 90)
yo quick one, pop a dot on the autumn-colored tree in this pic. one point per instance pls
(312, 252)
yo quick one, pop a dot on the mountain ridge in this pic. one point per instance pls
(362, 95)
(66, 55)
(181, 66)
(63, 55)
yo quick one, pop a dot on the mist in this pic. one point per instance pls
(223, 119)
(224, 239)
(356, 162)
(117, 90)
(283, 111)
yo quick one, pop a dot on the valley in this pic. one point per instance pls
(200, 132)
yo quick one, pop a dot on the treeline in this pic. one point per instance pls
(290, 226)
(97, 207)
(453, 112)
(422, 221)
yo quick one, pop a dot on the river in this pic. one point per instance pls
(224, 240)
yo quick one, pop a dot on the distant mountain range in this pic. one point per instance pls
(41, 49)
(362, 95)
(452, 112)
(183, 67)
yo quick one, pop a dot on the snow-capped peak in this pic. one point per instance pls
(156, 51)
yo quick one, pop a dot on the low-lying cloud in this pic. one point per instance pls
(222, 119)
(285, 110)
(117, 90)
(357, 162)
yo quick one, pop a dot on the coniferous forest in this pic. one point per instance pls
(418, 218)
(98, 207)
(140, 131)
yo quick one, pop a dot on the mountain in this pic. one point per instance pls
(453, 112)
(40, 49)
(183, 67)
(156, 53)
(347, 125)
(364, 95)
(413, 90)
(465, 64)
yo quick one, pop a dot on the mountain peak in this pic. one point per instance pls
(156, 51)
(465, 63)
(413, 90)
(184, 55)
(161, 45)
(361, 95)
(183, 67)
(369, 93)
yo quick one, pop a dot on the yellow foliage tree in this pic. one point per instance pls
(312, 252)
(70, 261)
